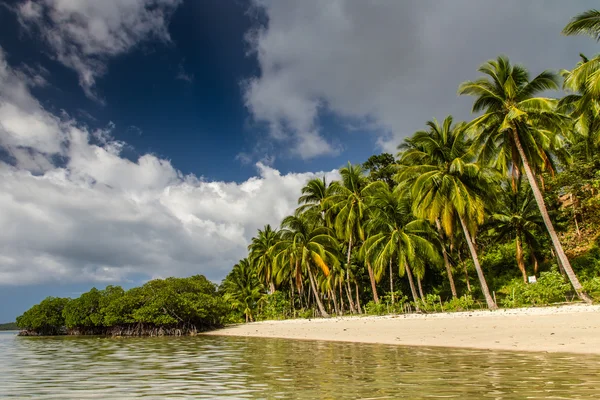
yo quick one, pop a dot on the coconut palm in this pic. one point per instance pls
(395, 236)
(520, 131)
(347, 202)
(305, 247)
(243, 289)
(516, 215)
(447, 185)
(583, 106)
(587, 23)
(261, 256)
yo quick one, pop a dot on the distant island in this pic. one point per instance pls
(10, 326)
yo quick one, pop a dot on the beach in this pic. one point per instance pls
(570, 328)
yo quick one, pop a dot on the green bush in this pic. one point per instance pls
(385, 305)
(432, 302)
(463, 303)
(592, 287)
(274, 306)
(550, 288)
(45, 318)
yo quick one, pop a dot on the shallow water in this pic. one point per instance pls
(225, 367)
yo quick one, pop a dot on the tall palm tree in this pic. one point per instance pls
(520, 131)
(395, 236)
(348, 203)
(446, 184)
(304, 247)
(242, 288)
(433, 144)
(261, 256)
(516, 215)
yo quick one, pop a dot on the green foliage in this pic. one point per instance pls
(10, 326)
(45, 318)
(463, 303)
(385, 306)
(275, 306)
(592, 287)
(549, 288)
(188, 304)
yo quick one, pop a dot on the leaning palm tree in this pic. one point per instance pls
(395, 236)
(347, 202)
(304, 247)
(261, 256)
(447, 185)
(520, 131)
(516, 215)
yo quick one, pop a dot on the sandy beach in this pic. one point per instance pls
(571, 328)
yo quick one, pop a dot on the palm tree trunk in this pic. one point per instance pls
(341, 297)
(334, 298)
(412, 287)
(484, 287)
(271, 286)
(373, 284)
(446, 260)
(357, 298)
(520, 261)
(537, 194)
(391, 282)
(316, 293)
(348, 290)
(420, 289)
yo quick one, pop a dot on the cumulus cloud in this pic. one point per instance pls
(84, 34)
(392, 64)
(100, 217)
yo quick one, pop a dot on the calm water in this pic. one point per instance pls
(212, 367)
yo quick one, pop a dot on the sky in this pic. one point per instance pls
(142, 139)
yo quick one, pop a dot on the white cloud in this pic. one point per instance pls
(83, 34)
(395, 64)
(100, 217)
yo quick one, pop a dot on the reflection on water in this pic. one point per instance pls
(220, 367)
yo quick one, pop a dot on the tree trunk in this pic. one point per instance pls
(348, 290)
(535, 263)
(391, 282)
(357, 298)
(520, 261)
(314, 289)
(271, 286)
(420, 289)
(465, 269)
(412, 287)
(341, 297)
(373, 284)
(484, 287)
(537, 194)
(335, 304)
(446, 260)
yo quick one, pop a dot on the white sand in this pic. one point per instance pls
(572, 328)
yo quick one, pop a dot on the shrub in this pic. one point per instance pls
(550, 288)
(463, 303)
(275, 306)
(592, 287)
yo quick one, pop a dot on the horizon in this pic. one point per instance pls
(156, 145)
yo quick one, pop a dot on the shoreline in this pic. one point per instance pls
(557, 329)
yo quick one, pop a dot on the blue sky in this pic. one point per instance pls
(150, 138)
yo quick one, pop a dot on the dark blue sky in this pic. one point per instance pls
(200, 125)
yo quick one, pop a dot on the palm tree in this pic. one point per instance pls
(242, 288)
(304, 247)
(348, 203)
(520, 131)
(395, 236)
(260, 254)
(586, 23)
(516, 215)
(583, 106)
(446, 185)
(433, 144)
